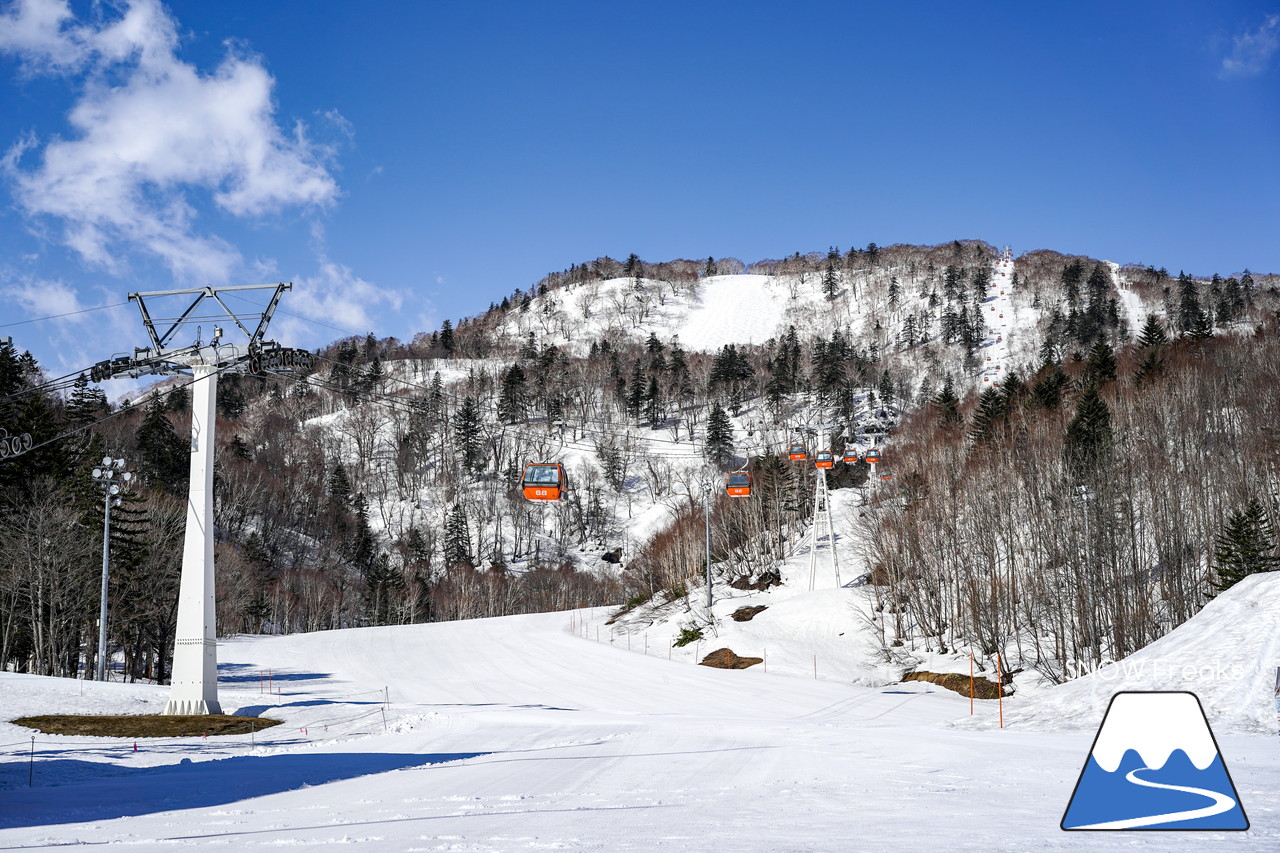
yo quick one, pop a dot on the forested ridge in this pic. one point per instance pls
(1123, 470)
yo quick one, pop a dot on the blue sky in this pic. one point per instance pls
(407, 162)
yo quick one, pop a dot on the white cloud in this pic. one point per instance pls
(153, 137)
(337, 298)
(1251, 52)
(37, 32)
(44, 298)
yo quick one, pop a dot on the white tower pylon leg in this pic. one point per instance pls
(822, 513)
(194, 689)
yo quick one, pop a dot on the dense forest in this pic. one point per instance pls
(382, 486)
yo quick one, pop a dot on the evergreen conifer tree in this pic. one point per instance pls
(511, 397)
(1246, 546)
(1088, 439)
(987, 417)
(164, 458)
(339, 485)
(719, 450)
(830, 282)
(947, 404)
(636, 393)
(1047, 391)
(1101, 366)
(457, 539)
(1152, 365)
(1152, 334)
(466, 431)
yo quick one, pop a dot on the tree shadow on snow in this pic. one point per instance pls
(188, 785)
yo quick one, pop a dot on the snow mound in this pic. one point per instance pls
(1227, 654)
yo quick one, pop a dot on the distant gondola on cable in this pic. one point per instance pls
(543, 481)
(738, 484)
(823, 459)
(797, 452)
(873, 455)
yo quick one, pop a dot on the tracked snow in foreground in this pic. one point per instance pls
(525, 733)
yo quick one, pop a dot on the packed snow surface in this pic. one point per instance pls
(526, 733)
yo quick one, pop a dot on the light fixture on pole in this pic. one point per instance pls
(105, 479)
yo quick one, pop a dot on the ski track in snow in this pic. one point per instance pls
(998, 314)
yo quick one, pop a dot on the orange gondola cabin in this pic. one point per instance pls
(873, 455)
(823, 459)
(797, 453)
(738, 484)
(850, 457)
(543, 481)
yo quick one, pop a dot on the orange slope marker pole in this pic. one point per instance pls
(1000, 686)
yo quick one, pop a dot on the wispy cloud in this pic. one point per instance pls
(153, 138)
(335, 300)
(1251, 51)
(45, 298)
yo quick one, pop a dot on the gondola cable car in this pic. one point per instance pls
(544, 481)
(873, 455)
(737, 484)
(797, 452)
(823, 459)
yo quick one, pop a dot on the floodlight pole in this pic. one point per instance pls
(103, 477)
(194, 685)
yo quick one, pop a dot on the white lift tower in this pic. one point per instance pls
(194, 688)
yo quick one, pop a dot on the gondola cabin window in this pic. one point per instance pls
(543, 481)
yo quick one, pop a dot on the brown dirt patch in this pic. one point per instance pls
(746, 614)
(146, 726)
(983, 688)
(760, 584)
(726, 659)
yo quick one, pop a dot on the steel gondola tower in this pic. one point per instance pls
(194, 688)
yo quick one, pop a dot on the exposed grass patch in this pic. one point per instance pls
(687, 636)
(146, 726)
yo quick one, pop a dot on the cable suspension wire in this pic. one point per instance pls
(65, 314)
(102, 420)
(65, 381)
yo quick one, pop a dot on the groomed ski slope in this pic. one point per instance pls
(519, 734)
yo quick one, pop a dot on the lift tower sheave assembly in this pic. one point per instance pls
(194, 688)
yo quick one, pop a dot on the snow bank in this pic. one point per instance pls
(1227, 654)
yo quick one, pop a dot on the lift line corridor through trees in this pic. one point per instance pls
(194, 687)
